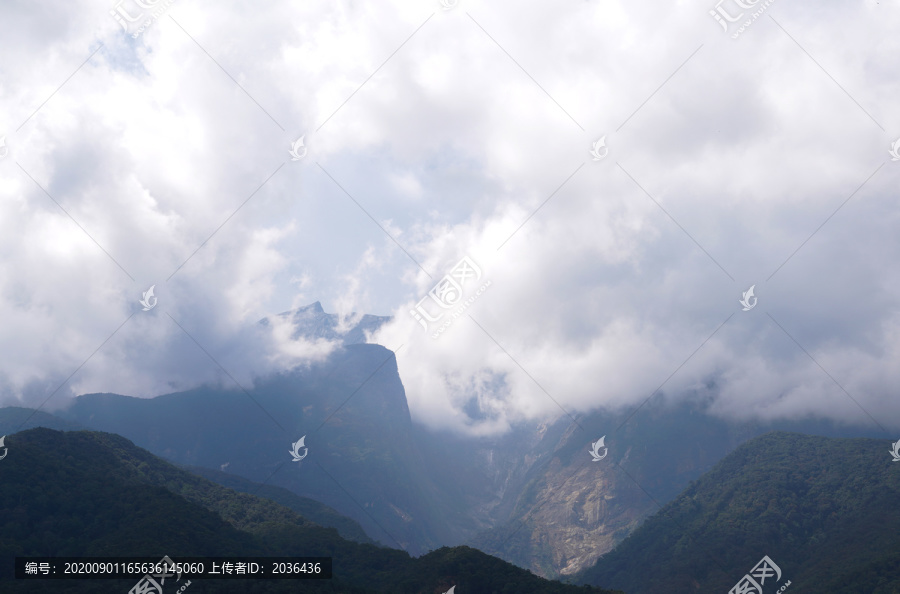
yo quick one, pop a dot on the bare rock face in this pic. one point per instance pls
(566, 510)
(580, 513)
(571, 512)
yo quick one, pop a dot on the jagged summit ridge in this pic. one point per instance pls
(312, 322)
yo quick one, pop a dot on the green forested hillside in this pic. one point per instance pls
(824, 510)
(86, 493)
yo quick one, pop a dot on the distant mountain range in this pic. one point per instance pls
(83, 493)
(825, 511)
(532, 497)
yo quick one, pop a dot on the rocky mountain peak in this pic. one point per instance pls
(312, 322)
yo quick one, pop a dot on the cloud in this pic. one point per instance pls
(434, 135)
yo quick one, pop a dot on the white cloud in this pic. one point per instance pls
(451, 145)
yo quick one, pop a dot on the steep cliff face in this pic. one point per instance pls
(570, 510)
(580, 512)
(352, 412)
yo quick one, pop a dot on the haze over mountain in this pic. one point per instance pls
(106, 497)
(308, 508)
(352, 411)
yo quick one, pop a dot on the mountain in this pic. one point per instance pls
(308, 508)
(557, 511)
(311, 322)
(824, 510)
(86, 493)
(16, 418)
(531, 496)
(362, 458)
(554, 511)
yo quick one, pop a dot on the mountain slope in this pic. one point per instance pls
(308, 508)
(531, 497)
(824, 510)
(562, 511)
(363, 460)
(86, 493)
(16, 418)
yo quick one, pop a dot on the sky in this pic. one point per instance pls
(603, 180)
